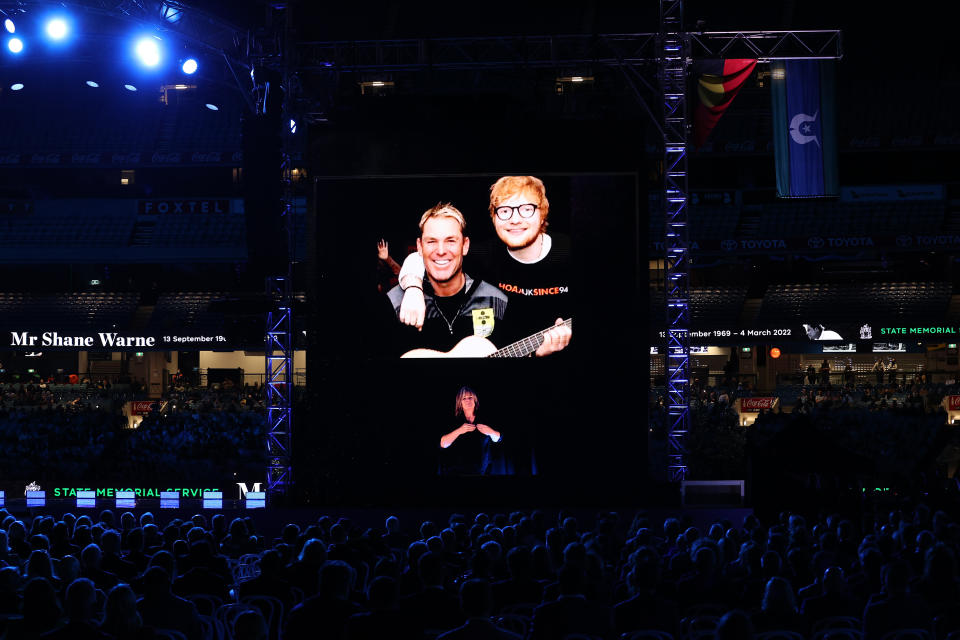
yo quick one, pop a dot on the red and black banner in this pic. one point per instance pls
(717, 84)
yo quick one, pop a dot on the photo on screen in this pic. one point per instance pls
(485, 262)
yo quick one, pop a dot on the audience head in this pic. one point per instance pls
(476, 599)
(120, 612)
(734, 625)
(250, 625)
(80, 600)
(336, 579)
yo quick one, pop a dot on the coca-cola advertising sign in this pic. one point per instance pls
(757, 404)
(141, 407)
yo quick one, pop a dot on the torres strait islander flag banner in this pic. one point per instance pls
(804, 128)
(718, 82)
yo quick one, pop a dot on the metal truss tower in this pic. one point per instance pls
(278, 350)
(279, 347)
(673, 62)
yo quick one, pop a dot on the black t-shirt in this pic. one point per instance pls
(478, 309)
(538, 292)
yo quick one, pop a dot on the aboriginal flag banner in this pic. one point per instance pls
(804, 129)
(717, 83)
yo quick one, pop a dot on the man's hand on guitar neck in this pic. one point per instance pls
(556, 339)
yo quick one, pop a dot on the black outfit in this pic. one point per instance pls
(471, 454)
(478, 309)
(538, 292)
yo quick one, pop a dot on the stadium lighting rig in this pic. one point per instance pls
(152, 44)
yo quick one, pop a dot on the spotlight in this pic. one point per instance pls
(57, 28)
(16, 86)
(9, 26)
(189, 66)
(212, 107)
(91, 83)
(129, 87)
(148, 51)
(293, 125)
(15, 45)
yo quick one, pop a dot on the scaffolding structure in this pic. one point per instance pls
(673, 63)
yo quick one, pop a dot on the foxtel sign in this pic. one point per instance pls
(104, 340)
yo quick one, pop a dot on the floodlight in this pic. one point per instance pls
(129, 87)
(57, 28)
(212, 107)
(9, 26)
(189, 66)
(15, 45)
(148, 51)
(16, 86)
(91, 83)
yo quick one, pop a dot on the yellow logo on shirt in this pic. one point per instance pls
(482, 322)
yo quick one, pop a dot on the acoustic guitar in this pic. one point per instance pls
(477, 347)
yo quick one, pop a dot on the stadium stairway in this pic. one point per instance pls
(953, 310)
(750, 312)
(749, 223)
(141, 317)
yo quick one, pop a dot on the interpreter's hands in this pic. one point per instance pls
(485, 430)
(556, 339)
(413, 308)
(383, 250)
(467, 427)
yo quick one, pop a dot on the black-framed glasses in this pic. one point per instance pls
(525, 210)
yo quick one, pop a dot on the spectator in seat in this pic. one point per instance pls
(324, 615)
(779, 608)
(647, 608)
(834, 600)
(81, 604)
(938, 585)
(269, 582)
(304, 572)
(200, 578)
(111, 560)
(734, 625)
(250, 625)
(894, 607)
(41, 612)
(476, 602)
(9, 591)
(90, 559)
(432, 607)
(161, 609)
(120, 616)
(520, 587)
(570, 612)
(384, 620)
